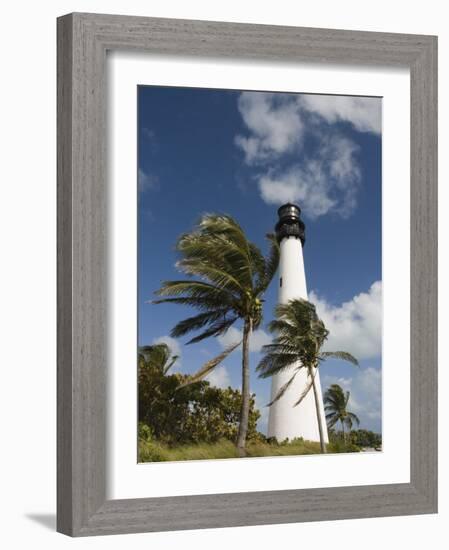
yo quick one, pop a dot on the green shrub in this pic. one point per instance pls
(152, 452)
(366, 438)
(145, 432)
(195, 413)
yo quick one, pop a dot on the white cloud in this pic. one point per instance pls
(367, 390)
(146, 181)
(355, 326)
(219, 377)
(231, 336)
(306, 185)
(274, 122)
(364, 113)
(258, 339)
(365, 400)
(345, 383)
(328, 181)
(328, 177)
(174, 346)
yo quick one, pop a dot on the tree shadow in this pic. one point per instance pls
(46, 520)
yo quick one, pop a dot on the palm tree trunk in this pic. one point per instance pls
(318, 413)
(343, 431)
(244, 411)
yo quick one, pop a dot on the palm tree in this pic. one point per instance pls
(231, 276)
(335, 403)
(159, 356)
(300, 335)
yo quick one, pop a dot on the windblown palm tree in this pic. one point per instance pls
(335, 405)
(158, 356)
(231, 276)
(300, 335)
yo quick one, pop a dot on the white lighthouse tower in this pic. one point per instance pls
(285, 420)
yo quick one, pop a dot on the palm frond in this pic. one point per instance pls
(223, 224)
(273, 363)
(220, 327)
(343, 355)
(209, 272)
(220, 240)
(280, 326)
(203, 304)
(282, 390)
(173, 360)
(330, 403)
(158, 355)
(208, 367)
(272, 262)
(354, 417)
(198, 321)
(280, 348)
(257, 263)
(219, 252)
(335, 405)
(306, 389)
(195, 289)
(267, 267)
(331, 420)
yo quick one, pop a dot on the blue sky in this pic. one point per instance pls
(244, 154)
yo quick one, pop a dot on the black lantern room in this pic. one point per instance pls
(290, 223)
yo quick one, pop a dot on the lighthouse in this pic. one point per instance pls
(285, 420)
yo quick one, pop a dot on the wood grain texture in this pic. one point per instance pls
(83, 40)
(64, 278)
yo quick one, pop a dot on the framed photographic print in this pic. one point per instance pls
(247, 274)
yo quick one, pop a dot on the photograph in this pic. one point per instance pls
(227, 260)
(259, 274)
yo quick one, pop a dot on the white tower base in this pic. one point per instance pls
(286, 421)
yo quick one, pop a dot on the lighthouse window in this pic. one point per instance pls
(280, 281)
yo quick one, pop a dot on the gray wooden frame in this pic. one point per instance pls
(83, 40)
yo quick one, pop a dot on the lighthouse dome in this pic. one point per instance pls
(290, 223)
(289, 211)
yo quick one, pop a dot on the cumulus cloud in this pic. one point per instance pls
(174, 346)
(365, 400)
(328, 181)
(356, 325)
(367, 388)
(231, 336)
(274, 123)
(258, 339)
(219, 377)
(328, 176)
(364, 113)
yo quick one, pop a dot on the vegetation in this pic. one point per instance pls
(339, 444)
(365, 438)
(198, 421)
(355, 439)
(152, 451)
(300, 335)
(230, 277)
(174, 413)
(335, 406)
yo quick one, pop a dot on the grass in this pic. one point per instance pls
(152, 451)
